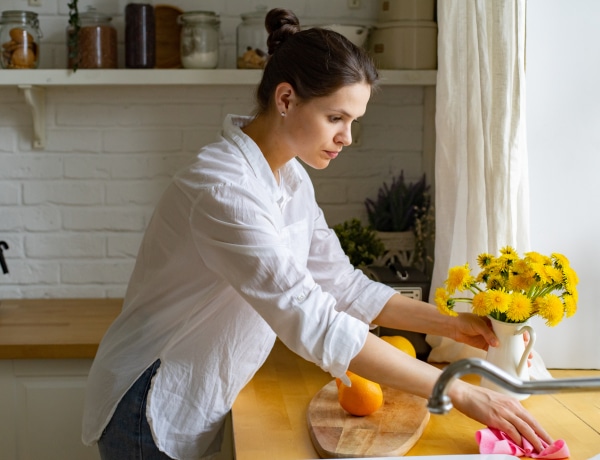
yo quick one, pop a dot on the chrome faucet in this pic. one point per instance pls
(3, 266)
(440, 403)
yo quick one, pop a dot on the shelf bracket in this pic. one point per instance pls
(35, 97)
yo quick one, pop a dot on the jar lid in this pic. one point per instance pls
(408, 24)
(11, 15)
(259, 13)
(199, 17)
(93, 16)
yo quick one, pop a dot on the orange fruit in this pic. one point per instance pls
(362, 398)
(402, 343)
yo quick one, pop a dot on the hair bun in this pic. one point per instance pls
(280, 24)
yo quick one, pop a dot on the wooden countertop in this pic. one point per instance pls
(269, 415)
(54, 328)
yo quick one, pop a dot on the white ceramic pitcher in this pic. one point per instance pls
(511, 355)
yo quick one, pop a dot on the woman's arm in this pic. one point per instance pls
(404, 313)
(383, 363)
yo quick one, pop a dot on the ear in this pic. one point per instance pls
(284, 96)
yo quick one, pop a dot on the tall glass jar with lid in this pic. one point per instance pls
(199, 39)
(252, 40)
(94, 45)
(140, 35)
(20, 35)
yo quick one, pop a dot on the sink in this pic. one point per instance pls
(447, 457)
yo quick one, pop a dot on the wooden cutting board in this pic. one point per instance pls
(390, 431)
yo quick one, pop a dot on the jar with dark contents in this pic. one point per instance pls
(94, 46)
(19, 36)
(140, 36)
(252, 40)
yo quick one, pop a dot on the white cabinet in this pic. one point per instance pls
(41, 406)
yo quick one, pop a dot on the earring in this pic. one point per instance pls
(283, 114)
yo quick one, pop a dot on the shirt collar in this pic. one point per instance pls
(232, 130)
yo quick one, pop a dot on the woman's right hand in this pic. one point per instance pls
(500, 411)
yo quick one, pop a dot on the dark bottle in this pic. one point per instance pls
(140, 36)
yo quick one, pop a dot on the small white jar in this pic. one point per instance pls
(199, 39)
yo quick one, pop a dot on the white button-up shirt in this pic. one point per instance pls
(229, 261)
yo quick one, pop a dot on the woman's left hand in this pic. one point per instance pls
(477, 331)
(474, 330)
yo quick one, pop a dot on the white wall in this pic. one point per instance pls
(74, 213)
(563, 117)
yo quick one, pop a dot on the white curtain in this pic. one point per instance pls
(481, 177)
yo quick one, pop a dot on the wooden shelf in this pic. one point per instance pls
(166, 77)
(34, 82)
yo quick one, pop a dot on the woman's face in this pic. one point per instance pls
(319, 128)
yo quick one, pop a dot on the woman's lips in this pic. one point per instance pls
(332, 154)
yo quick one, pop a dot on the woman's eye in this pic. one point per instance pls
(334, 119)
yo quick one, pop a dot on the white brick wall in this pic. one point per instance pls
(74, 213)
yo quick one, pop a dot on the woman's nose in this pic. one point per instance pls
(345, 136)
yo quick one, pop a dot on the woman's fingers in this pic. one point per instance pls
(504, 413)
(522, 425)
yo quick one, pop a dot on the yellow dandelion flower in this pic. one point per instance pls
(484, 275)
(521, 282)
(570, 278)
(575, 294)
(551, 308)
(540, 272)
(479, 304)
(520, 308)
(560, 260)
(495, 281)
(497, 300)
(504, 262)
(508, 250)
(570, 305)
(495, 266)
(555, 274)
(444, 302)
(459, 278)
(484, 259)
(520, 267)
(537, 258)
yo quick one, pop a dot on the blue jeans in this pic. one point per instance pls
(127, 436)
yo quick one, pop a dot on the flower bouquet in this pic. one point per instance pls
(513, 289)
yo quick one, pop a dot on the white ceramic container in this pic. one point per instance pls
(407, 45)
(406, 10)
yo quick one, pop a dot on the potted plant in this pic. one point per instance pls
(73, 35)
(402, 215)
(359, 242)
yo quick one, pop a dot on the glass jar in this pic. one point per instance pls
(252, 40)
(199, 39)
(95, 46)
(140, 36)
(20, 35)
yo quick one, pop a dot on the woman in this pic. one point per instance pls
(238, 253)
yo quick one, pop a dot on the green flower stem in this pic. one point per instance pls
(463, 299)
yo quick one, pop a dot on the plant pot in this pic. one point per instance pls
(400, 248)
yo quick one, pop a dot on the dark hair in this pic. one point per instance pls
(316, 62)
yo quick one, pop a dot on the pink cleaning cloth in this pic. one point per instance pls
(493, 441)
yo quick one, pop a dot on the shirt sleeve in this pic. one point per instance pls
(238, 235)
(354, 292)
